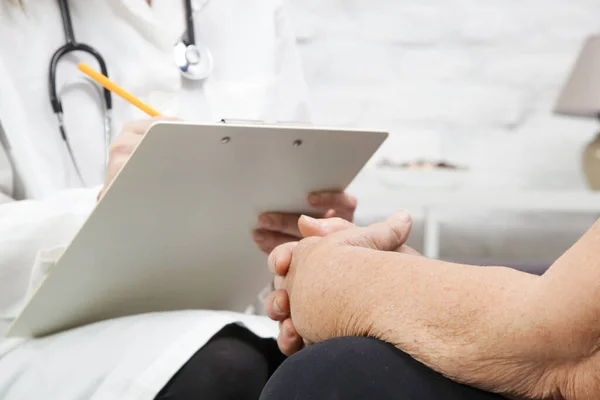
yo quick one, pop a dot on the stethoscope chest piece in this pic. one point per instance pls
(194, 61)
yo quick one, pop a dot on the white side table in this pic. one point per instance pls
(377, 199)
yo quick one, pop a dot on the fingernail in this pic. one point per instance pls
(272, 267)
(403, 215)
(314, 199)
(310, 220)
(265, 221)
(258, 237)
(289, 333)
(276, 306)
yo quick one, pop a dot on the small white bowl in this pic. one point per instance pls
(422, 177)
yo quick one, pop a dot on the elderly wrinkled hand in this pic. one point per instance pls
(278, 304)
(275, 229)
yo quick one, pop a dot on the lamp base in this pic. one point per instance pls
(591, 163)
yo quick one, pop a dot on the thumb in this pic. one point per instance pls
(385, 236)
(322, 227)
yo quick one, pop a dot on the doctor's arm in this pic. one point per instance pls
(33, 232)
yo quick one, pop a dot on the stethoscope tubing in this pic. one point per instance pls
(187, 70)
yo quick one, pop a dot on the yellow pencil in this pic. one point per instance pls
(113, 87)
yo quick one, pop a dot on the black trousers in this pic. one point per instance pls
(362, 368)
(234, 365)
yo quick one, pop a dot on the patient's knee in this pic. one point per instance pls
(361, 368)
(333, 369)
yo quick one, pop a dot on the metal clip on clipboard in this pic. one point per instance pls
(297, 142)
(262, 122)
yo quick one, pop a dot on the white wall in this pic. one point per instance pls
(470, 81)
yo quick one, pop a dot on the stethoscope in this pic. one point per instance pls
(194, 61)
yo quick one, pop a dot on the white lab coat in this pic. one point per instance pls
(257, 76)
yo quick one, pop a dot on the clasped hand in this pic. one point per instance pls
(322, 282)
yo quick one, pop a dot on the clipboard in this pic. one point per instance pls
(173, 230)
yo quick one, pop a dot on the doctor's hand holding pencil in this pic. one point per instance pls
(131, 134)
